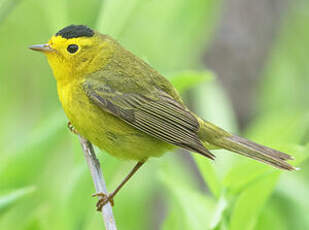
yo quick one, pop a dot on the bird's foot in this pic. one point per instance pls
(104, 199)
(71, 128)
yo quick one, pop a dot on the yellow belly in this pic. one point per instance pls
(105, 130)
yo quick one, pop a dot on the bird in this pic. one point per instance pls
(122, 105)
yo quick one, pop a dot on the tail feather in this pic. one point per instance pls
(256, 151)
(262, 148)
(215, 136)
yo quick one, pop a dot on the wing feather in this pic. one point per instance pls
(161, 117)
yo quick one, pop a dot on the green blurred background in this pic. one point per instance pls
(240, 64)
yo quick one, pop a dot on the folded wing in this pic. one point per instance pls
(161, 116)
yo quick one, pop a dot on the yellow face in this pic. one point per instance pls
(71, 50)
(74, 58)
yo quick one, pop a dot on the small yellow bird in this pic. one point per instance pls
(122, 105)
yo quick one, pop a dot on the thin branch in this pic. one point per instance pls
(98, 180)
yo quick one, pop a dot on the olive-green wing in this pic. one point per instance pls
(160, 116)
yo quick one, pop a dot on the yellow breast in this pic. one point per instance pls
(105, 130)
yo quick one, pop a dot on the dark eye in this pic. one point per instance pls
(72, 48)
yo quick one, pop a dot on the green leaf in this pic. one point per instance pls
(30, 154)
(45, 130)
(243, 173)
(247, 171)
(6, 201)
(271, 218)
(209, 174)
(188, 208)
(250, 202)
(219, 212)
(273, 130)
(188, 79)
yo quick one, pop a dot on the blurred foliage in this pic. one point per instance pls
(44, 181)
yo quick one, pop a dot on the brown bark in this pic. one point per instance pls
(241, 46)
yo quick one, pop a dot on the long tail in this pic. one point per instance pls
(212, 135)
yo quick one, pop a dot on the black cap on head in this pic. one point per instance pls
(75, 31)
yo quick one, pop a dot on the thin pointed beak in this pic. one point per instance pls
(41, 48)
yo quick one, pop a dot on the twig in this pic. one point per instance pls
(98, 180)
